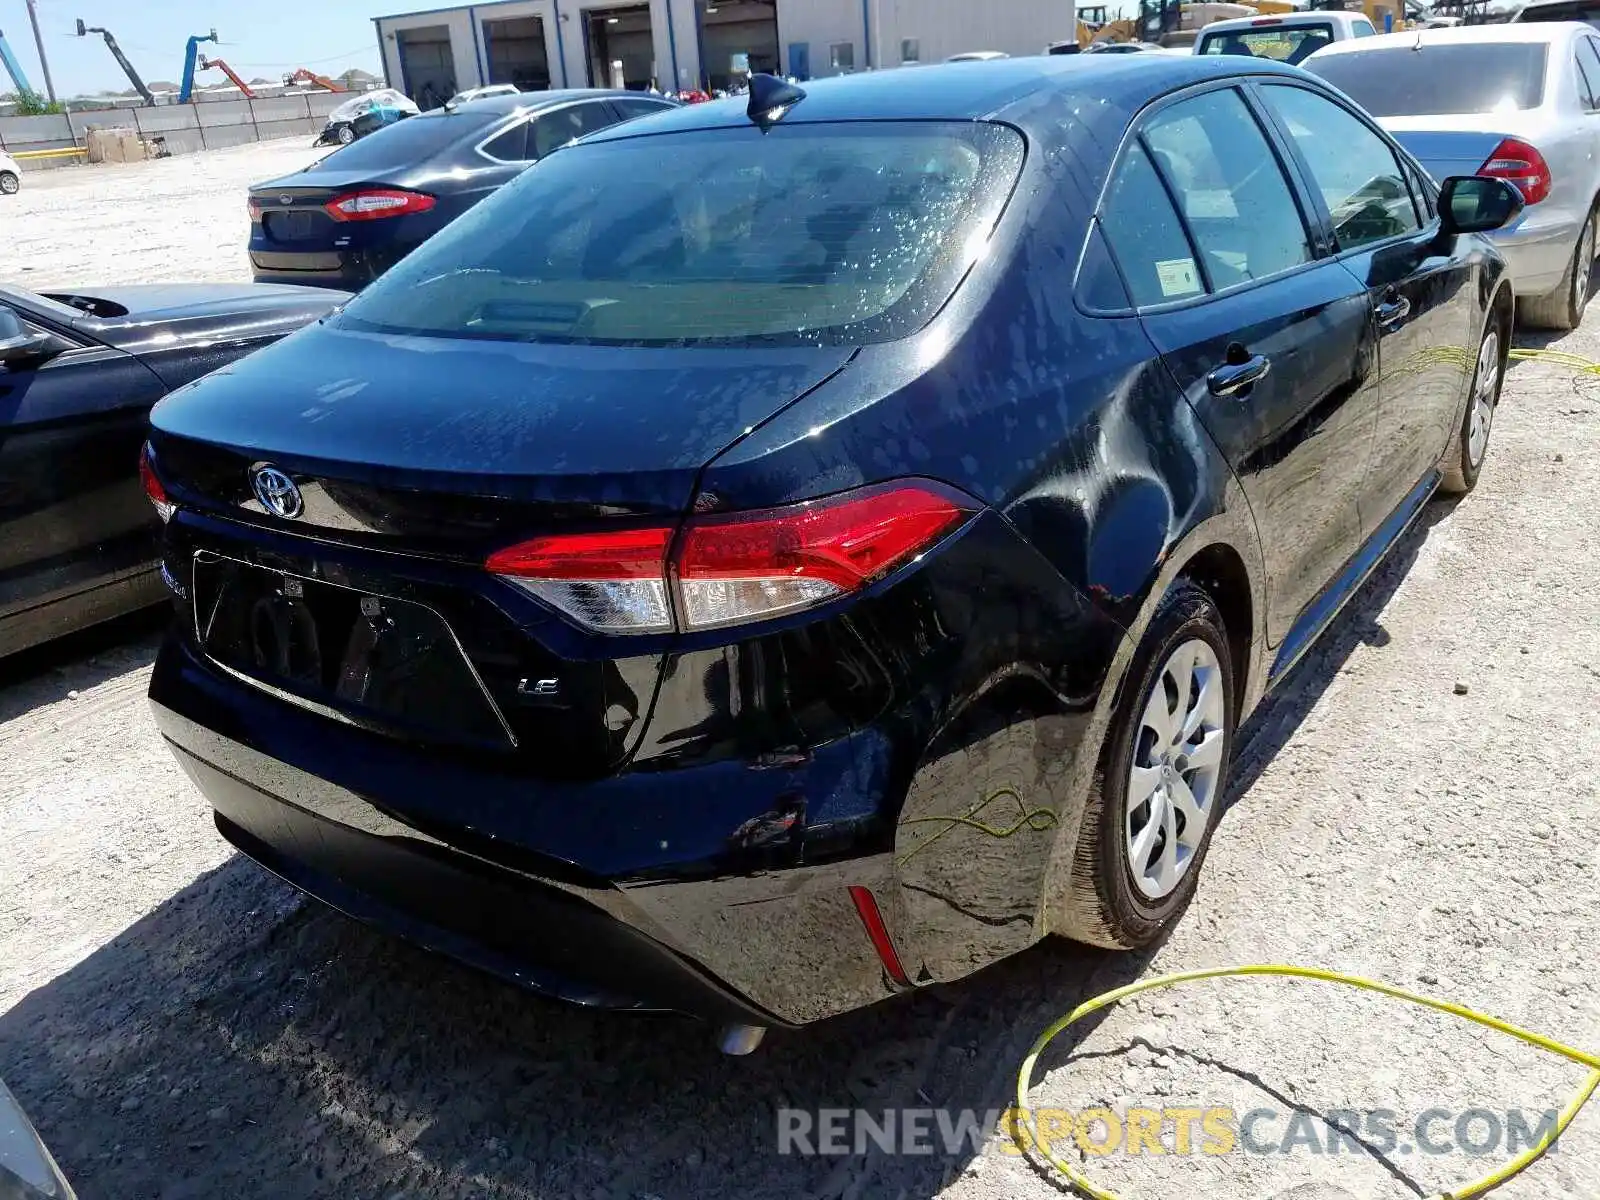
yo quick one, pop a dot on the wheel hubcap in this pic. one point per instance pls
(1483, 396)
(1585, 264)
(1177, 763)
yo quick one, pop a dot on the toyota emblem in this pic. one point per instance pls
(276, 491)
(285, 199)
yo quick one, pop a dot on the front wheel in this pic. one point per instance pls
(1471, 443)
(346, 135)
(1157, 793)
(10, 185)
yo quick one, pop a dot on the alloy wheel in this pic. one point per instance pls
(1483, 396)
(9, 183)
(1177, 765)
(1583, 267)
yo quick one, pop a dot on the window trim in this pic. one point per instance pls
(1336, 251)
(1584, 81)
(1313, 219)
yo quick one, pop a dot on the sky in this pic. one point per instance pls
(265, 38)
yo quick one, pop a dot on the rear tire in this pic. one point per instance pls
(1470, 445)
(10, 185)
(345, 136)
(1563, 308)
(1119, 895)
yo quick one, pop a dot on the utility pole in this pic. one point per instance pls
(38, 40)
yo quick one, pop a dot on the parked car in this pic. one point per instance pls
(10, 175)
(481, 93)
(1521, 102)
(349, 217)
(1587, 11)
(1291, 38)
(27, 1172)
(78, 374)
(978, 56)
(772, 557)
(365, 114)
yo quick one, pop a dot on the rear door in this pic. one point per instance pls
(72, 513)
(1269, 339)
(1421, 294)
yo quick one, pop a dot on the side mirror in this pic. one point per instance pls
(17, 342)
(1474, 204)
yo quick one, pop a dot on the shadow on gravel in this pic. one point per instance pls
(79, 661)
(1272, 725)
(239, 1042)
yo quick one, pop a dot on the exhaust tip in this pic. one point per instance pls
(739, 1040)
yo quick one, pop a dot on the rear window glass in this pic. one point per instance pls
(1439, 79)
(409, 140)
(1283, 43)
(810, 234)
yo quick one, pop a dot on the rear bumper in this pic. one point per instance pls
(1537, 251)
(348, 270)
(780, 948)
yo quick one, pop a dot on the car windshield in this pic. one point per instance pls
(1439, 79)
(826, 233)
(1281, 43)
(409, 141)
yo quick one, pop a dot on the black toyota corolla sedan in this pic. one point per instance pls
(349, 217)
(79, 371)
(775, 556)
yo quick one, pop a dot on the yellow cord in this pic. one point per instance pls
(1465, 1192)
(1557, 358)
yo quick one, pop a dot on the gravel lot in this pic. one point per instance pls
(181, 1025)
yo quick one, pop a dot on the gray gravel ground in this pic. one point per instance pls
(182, 1025)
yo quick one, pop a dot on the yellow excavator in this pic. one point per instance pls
(1095, 27)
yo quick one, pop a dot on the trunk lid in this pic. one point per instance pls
(536, 426)
(1448, 145)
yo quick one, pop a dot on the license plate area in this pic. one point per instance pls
(290, 226)
(373, 660)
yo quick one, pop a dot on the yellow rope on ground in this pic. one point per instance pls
(1465, 1192)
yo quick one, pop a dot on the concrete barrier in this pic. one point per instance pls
(183, 128)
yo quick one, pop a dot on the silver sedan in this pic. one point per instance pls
(1518, 101)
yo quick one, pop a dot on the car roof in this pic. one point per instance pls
(998, 89)
(1279, 20)
(1503, 33)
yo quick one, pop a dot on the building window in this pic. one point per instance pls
(910, 50)
(842, 56)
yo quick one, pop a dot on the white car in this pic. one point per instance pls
(10, 175)
(978, 56)
(1290, 38)
(1519, 101)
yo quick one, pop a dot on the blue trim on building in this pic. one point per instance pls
(866, 29)
(672, 46)
(477, 43)
(561, 44)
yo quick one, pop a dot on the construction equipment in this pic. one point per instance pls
(13, 68)
(122, 59)
(189, 54)
(301, 75)
(207, 63)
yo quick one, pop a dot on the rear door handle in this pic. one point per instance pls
(1234, 377)
(1392, 312)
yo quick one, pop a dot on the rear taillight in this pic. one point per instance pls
(255, 210)
(375, 203)
(152, 485)
(735, 568)
(1515, 161)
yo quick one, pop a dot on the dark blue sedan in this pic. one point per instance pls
(780, 554)
(349, 217)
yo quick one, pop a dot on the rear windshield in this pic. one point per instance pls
(826, 233)
(1580, 10)
(411, 140)
(1467, 77)
(1281, 43)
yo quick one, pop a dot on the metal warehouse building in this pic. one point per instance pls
(681, 44)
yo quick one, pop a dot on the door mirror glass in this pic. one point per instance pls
(17, 341)
(1472, 204)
